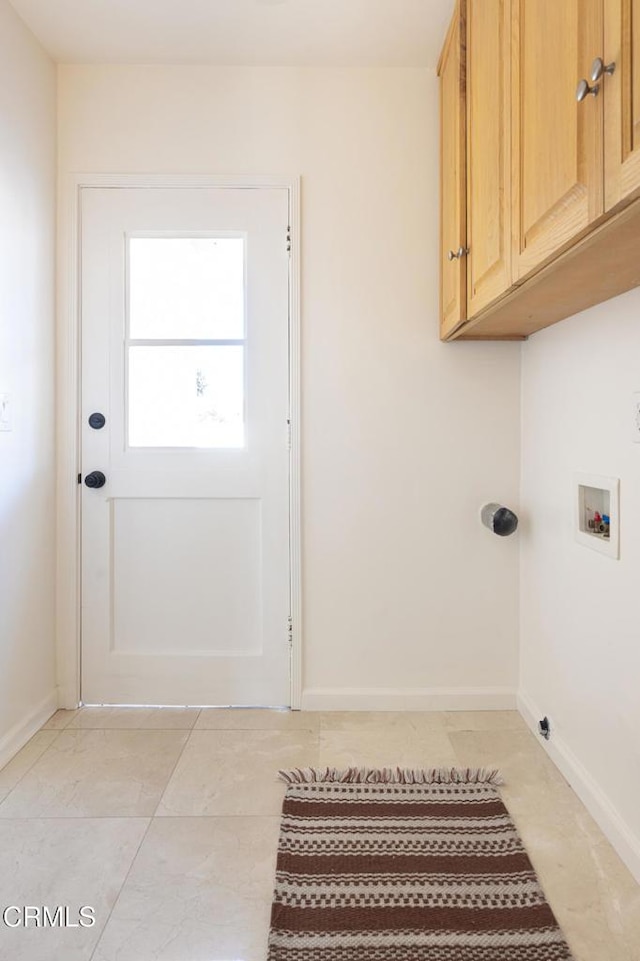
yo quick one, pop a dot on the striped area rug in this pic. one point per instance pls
(396, 865)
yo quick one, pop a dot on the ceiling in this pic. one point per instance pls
(248, 32)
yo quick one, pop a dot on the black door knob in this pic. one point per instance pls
(97, 421)
(95, 479)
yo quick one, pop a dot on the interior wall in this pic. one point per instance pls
(580, 626)
(27, 459)
(408, 601)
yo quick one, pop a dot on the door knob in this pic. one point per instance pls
(95, 479)
(458, 254)
(598, 68)
(97, 420)
(583, 90)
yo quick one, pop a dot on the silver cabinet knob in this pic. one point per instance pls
(599, 68)
(583, 90)
(458, 254)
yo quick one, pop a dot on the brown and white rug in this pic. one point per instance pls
(397, 865)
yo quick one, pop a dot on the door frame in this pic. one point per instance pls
(68, 401)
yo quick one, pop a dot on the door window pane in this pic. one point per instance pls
(186, 396)
(186, 288)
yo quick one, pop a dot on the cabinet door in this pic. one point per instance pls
(622, 101)
(453, 235)
(488, 151)
(557, 142)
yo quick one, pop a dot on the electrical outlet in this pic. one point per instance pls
(636, 418)
(5, 412)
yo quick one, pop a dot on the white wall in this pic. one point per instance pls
(404, 438)
(580, 624)
(27, 461)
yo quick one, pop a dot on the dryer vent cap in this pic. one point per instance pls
(499, 520)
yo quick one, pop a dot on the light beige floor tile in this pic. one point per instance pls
(201, 887)
(97, 774)
(200, 890)
(136, 718)
(596, 901)
(409, 722)
(18, 766)
(72, 863)
(618, 896)
(59, 720)
(394, 747)
(484, 721)
(521, 759)
(235, 772)
(547, 817)
(256, 719)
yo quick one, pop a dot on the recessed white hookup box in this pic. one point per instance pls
(597, 513)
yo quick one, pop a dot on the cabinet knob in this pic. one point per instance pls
(458, 254)
(583, 90)
(599, 68)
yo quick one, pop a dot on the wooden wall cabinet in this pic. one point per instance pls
(475, 159)
(622, 101)
(488, 152)
(557, 142)
(453, 226)
(549, 213)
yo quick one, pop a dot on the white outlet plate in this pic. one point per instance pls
(5, 412)
(636, 418)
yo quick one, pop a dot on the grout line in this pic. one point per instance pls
(33, 763)
(254, 730)
(212, 817)
(129, 817)
(107, 727)
(117, 898)
(189, 730)
(182, 730)
(79, 817)
(173, 771)
(64, 726)
(145, 730)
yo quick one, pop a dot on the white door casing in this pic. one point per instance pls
(186, 553)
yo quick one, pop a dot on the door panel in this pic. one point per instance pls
(622, 101)
(488, 151)
(185, 574)
(557, 142)
(168, 601)
(453, 232)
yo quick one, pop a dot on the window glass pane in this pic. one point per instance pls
(186, 396)
(186, 288)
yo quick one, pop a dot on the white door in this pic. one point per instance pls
(185, 547)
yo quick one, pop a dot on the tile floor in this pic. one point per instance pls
(166, 822)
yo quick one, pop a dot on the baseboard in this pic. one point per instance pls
(409, 699)
(17, 736)
(588, 790)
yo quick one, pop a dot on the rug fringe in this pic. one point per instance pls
(388, 775)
